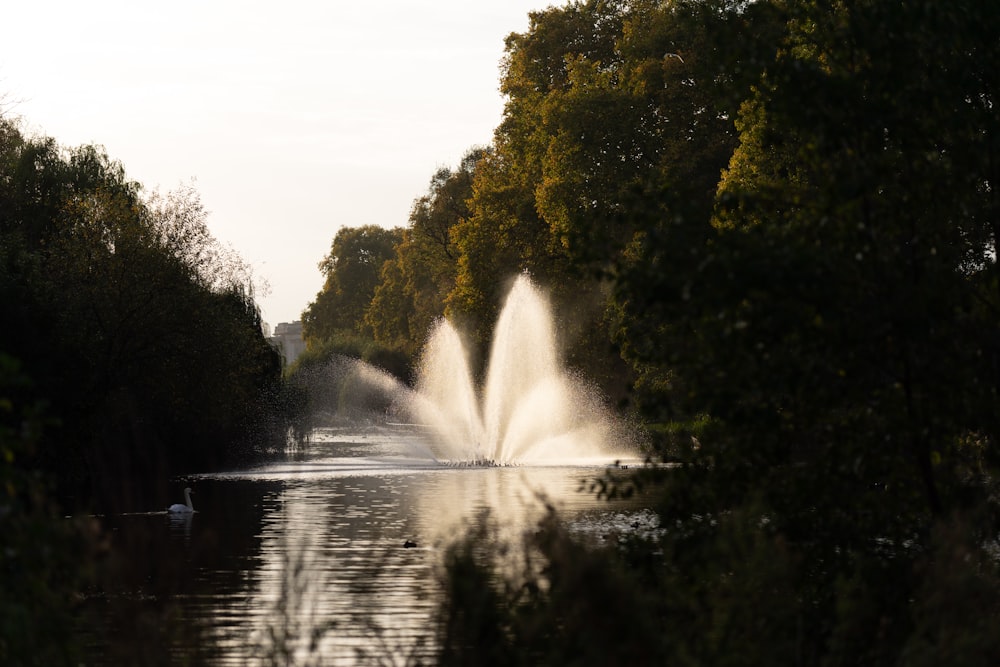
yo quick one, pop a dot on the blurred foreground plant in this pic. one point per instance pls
(43, 559)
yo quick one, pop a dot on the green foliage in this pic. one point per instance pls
(416, 283)
(562, 604)
(43, 559)
(502, 236)
(829, 322)
(852, 314)
(137, 327)
(354, 347)
(352, 269)
(508, 230)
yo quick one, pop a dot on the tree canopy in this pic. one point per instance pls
(136, 325)
(352, 269)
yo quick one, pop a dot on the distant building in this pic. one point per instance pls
(287, 339)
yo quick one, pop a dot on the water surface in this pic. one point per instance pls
(305, 558)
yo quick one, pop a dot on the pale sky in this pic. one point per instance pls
(292, 119)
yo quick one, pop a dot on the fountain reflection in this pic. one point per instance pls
(332, 578)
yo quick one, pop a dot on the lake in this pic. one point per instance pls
(302, 561)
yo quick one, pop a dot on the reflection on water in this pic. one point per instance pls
(305, 560)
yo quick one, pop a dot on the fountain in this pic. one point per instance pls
(530, 409)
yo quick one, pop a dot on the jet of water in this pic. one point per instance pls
(530, 409)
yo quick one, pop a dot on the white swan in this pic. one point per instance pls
(188, 507)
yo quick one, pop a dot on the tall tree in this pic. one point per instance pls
(416, 283)
(508, 231)
(834, 322)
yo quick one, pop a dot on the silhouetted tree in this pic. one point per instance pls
(137, 327)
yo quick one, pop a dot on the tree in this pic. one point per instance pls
(832, 322)
(417, 281)
(509, 231)
(352, 269)
(863, 205)
(138, 328)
